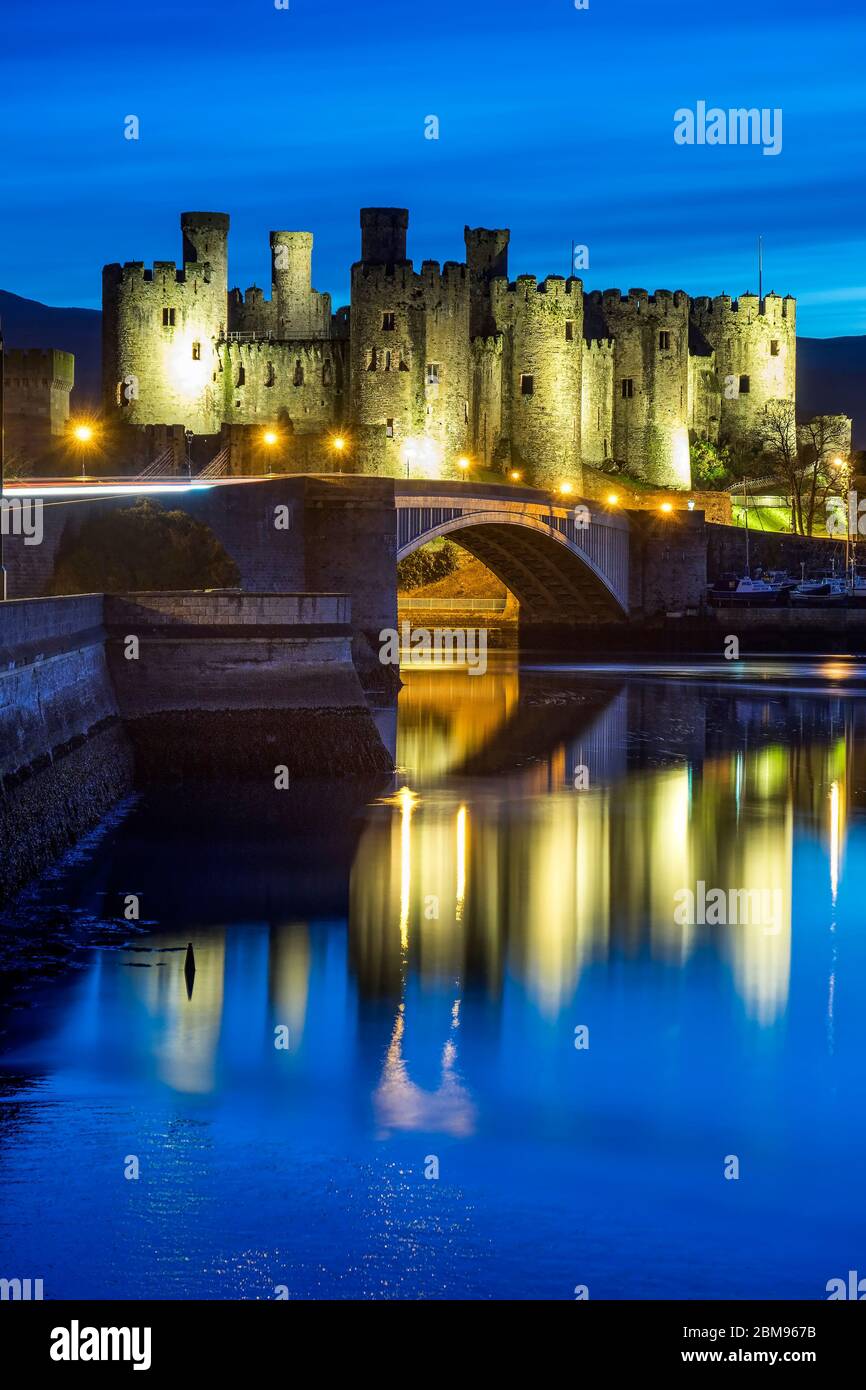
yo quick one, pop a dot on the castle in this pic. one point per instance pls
(428, 367)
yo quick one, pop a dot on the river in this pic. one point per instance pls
(472, 1031)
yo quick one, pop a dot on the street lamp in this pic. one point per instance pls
(843, 466)
(84, 436)
(463, 463)
(666, 507)
(515, 475)
(188, 435)
(566, 488)
(612, 499)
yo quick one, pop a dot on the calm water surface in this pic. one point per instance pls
(430, 944)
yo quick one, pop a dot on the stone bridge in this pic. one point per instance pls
(564, 561)
(346, 534)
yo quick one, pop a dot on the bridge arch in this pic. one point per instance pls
(557, 569)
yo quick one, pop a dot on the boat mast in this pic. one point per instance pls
(746, 510)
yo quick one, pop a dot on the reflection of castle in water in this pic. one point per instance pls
(528, 876)
(474, 880)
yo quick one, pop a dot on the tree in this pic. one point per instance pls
(823, 440)
(712, 465)
(142, 547)
(776, 439)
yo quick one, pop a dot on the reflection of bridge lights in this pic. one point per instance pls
(835, 837)
(461, 862)
(406, 800)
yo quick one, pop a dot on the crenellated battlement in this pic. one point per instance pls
(775, 306)
(601, 346)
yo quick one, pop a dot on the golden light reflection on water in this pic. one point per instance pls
(552, 878)
(519, 874)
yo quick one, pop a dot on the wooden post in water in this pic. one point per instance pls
(189, 969)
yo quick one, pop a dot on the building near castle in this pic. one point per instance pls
(427, 367)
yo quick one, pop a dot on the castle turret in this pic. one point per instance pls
(383, 235)
(487, 259)
(205, 242)
(300, 311)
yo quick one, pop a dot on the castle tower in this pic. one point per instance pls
(755, 347)
(487, 259)
(651, 381)
(36, 385)
(161, 328)
(205, 243)
(300, 311)
(541, 375)
(383, 235)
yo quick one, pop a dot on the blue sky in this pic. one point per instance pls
(555, 122)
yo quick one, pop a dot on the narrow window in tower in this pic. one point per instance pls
(196, 352)
(569, 330)
(326, 374)
(242, 376)
(774, 348)
(389, 429)
(599, 417)
(389, 321)
(664, 341)
(627, 385)
(744, 386)
(527, 384)
(299, 373)
(466, 412)
(372, 362)
(432, 373)
(387, 361)
(270, 374)
(168, 318)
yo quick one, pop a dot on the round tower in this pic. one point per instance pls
(291, 268)
(755, 345)
(651, 382)
(542, 375)
(387, 367)
(205, 242)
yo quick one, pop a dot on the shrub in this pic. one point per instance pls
(138, 548)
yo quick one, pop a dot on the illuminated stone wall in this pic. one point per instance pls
(651, 380)
(596, 429)
(542, 329)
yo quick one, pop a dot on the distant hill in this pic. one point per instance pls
(831, 372)
(831, 380)
(29, 324)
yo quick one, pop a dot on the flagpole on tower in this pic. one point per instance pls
(760, 274)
